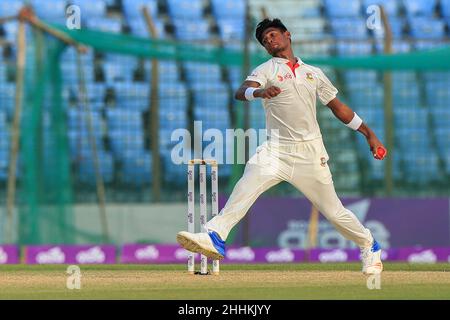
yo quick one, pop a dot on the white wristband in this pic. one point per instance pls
(355, 123)
(249, 93)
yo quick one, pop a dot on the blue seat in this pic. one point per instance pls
(50, 10)
(231, 29)
(10, 7)
(427, 28)
(124, 141)
(413, 138)
(168, 72)
(445, 8)
(105, 24)
(349, 29)
(80, 144)
(185, 9)
(234, 9)
(117, 72)
(343, 8)
(397, 29)
(78, 120)
(132, 95)
(136, 169)
(438, 94)
(140, 28)
(124, 120)
(438, 76)
(391, 7)
(366, 97)
(440, 117)
(91, 8)
(86, 169)
(257, 115)
(374, 117)
(405, 94)
(359, 78)
(7, 98)
(175, 174)
(429, 44)
(189, 30)
(202, 73)
(215, 96)
(407, 117)
(344, 48)
(213, 119)
(419, 7)
(173, 119)
(398, 46)
(422, 167)
(443, 138)
(133, 8)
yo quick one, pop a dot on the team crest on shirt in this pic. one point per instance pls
(323, 161)
(309, 76)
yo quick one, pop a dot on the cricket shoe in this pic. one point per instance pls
(208, 244)
(371, 259)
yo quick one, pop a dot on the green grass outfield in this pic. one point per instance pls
(270, 281)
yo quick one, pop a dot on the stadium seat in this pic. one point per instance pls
(345, 48)
(132, 95)
(343, 8)
(198, 73)
(419, 7)
(133, 8)
(192, 30)
(140, 28)
(358, 79)
(391, 7)
(445, 8)
(214, 96)
(10, 7)
(438, 94)
(442, 135)
(410, 117)
(86, 169)
(425, 28)
(7, 98)
(306, 28)
(422, 167)
(398, 46)
(229, 9)
(349, 29)
(80, 144)
(397, 29)
(231, 29)
(136, 169)
(91, 9)
(105, 24)
(440, 116)
(124, 120)
(78, 120)
(405, 94)
(50, 10)
(185, 9)
(123, 141)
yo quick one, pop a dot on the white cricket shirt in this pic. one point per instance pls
(292, 114)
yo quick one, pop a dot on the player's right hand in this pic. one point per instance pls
(269, 93)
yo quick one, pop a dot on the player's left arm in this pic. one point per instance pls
(347, 115)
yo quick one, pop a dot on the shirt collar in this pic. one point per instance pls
(284, 61)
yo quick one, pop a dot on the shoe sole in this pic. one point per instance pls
(192, 246)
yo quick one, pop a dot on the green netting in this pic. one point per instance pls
(434, 59)
(45, 209)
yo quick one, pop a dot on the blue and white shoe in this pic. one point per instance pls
(371, 259)
(208, 244)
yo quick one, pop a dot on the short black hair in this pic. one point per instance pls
(266, 24)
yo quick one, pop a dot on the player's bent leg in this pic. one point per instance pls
(208, 244)
(319, 189)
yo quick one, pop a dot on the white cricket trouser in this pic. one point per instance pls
(304, 166)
